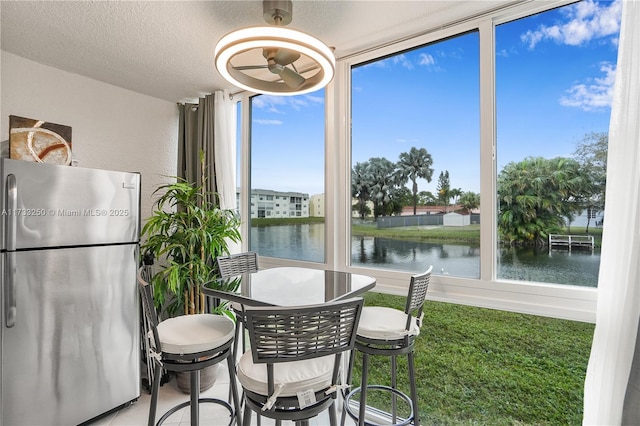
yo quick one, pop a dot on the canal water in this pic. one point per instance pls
(306, 242)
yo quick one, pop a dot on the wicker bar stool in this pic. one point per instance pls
(292, 371)
(389, 332)
(188, 343)
(237, 264)
(231, 266)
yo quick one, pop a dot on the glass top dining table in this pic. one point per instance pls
(292, 286)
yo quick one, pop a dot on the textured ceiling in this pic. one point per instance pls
(165, 49)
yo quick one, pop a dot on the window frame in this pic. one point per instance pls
(555, 300)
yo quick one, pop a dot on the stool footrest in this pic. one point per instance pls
(355, 416)
(182, 405)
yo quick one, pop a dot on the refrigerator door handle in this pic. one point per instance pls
(10, 289)
(10, 255)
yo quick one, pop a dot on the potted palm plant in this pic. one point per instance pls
(185, 233)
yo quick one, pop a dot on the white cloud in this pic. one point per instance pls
(426, 59)
(376, 64)
(593, 95)
(276, 104)
(402, 60)
(585, 21)
(270, 103)
(269, 100)
(297, 103)
(268, 122)
(431, 63)
(315, 99)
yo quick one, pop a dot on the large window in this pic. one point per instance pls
(501, 120)
(416, 160)
(554, 80)
(287, 174)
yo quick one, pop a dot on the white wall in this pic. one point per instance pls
(112, 128)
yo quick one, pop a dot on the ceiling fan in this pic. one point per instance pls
(277, 61)
(289, 54)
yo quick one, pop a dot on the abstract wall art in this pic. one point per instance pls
(39, 141)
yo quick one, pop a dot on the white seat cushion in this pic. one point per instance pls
(188, 334)
(295, 376)
(382, 323)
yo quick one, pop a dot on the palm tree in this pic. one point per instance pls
(413, 165)
(455, 194)
(426, 198)
(444, 189)
(469, 200)
(535, 195)
(361, 181)
(383, 181)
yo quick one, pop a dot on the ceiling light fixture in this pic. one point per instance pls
(272, 59)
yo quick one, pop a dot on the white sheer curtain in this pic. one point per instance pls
(225, 149)
(618, 312)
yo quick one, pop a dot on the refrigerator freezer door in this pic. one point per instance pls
(74, 351)
(62, 206)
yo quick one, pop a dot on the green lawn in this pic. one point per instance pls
(482, 366)
(433, 234)
(467, 235)
(486, 367)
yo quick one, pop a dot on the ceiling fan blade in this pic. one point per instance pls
(250, 67)
(285, 56)
(291, 78)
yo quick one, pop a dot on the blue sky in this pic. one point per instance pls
(554, 74)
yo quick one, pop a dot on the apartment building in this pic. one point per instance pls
(266, 203)
(316, 205)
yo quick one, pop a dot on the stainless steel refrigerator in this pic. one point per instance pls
(70, 320)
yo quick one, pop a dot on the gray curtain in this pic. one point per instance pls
(196, 135)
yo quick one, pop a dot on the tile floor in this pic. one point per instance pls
(210, 414)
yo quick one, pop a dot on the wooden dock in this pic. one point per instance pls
(571, 241)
